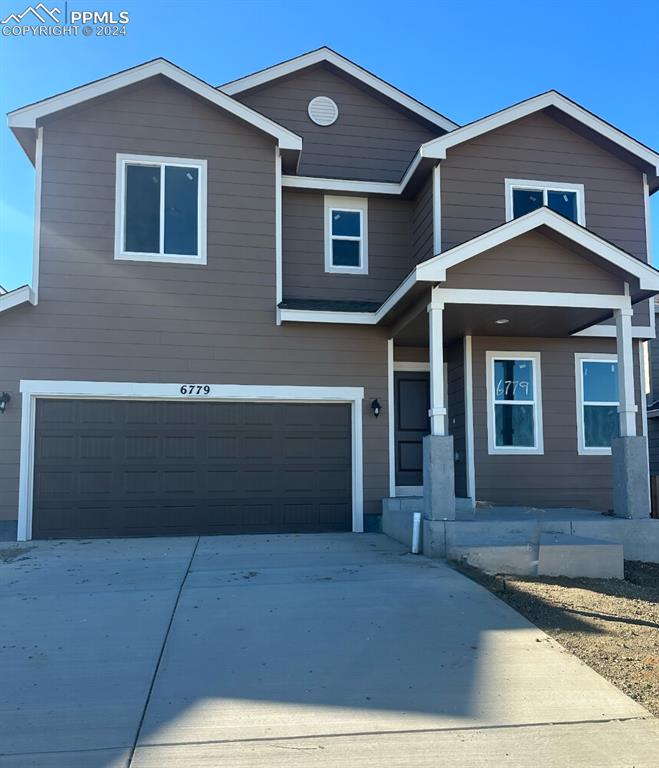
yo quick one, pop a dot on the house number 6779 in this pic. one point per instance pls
(195, 389)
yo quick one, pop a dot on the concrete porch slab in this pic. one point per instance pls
(496, 525)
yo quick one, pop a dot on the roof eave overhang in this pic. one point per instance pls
(23, 295)
(435, 269)
(27, 117)
(437, 148)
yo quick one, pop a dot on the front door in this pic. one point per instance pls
(412, 402)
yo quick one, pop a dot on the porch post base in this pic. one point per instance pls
(631, 490)
(438, 478)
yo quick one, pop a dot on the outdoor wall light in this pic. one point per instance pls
(376, 407)
(4, 399)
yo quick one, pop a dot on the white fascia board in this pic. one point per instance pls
(26, 117)
(436, 148)
(353, 186)
(22, 295)
(349, 318)
(341, 185)
(354, 70)
(530, 298)
(326, 316)
(643, 332)
(435, 269)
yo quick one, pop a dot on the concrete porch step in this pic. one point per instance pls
(580, 557)
(513, 555)
(557, 554)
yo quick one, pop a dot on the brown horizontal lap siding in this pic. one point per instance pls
(540, 148)
(456, 413)
(371, 140)
(422, 224)
(105, 320)
(303, 240)
(533, 261)
(560, 477)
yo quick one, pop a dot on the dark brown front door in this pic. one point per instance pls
(141, 468)
(412, 402)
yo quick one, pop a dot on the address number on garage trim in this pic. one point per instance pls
(195, 389)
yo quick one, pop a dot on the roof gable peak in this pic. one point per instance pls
(329, 56)
(26, 117)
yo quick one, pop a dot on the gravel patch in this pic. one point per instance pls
(610, 624)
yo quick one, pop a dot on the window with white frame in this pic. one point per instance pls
(160, 209)
(597, 403)
(523, 196)
(514, 403)
(346, 235)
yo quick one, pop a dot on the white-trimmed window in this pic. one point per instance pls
(597, 402)
(514, 403)
(346, 235)
(524, 196)
(160, 209)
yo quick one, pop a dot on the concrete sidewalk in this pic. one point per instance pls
(317, 650)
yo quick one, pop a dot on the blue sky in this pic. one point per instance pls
(463, 58)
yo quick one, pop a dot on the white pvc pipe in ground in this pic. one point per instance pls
(416, 532)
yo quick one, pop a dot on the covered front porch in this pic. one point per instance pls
(502, 401)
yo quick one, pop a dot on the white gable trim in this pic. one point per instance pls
(437, 147)
(354, 70)
(435, 269)
(22, 295)
(26, 117)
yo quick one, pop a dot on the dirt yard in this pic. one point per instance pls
(610, 624)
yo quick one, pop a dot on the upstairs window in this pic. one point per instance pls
(160, 209)
(597, 403)
(522, 197)
(346, 235)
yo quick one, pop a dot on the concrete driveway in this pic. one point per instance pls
(317, 650)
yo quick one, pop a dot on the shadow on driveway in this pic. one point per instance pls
(281, 650)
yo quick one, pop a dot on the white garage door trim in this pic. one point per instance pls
(33, 389)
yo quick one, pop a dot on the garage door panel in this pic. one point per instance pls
(108, 468)
(180, 447)
(140, 413)
(95, 412)
(180, 413)
(179, 482)
(221, 446)
(54, 483)
(99, 483)
(222, 481)
(96, 447)
(296, 480)
(57, 411)
(328, 480)
(136, 447)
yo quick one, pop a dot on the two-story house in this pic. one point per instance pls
(266, 307)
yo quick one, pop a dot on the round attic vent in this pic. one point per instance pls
(322, 110)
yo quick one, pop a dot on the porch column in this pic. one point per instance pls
(438, 457)
(631, 492)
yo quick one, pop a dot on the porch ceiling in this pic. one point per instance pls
(480, 320)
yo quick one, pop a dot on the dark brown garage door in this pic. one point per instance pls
(136, 468)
